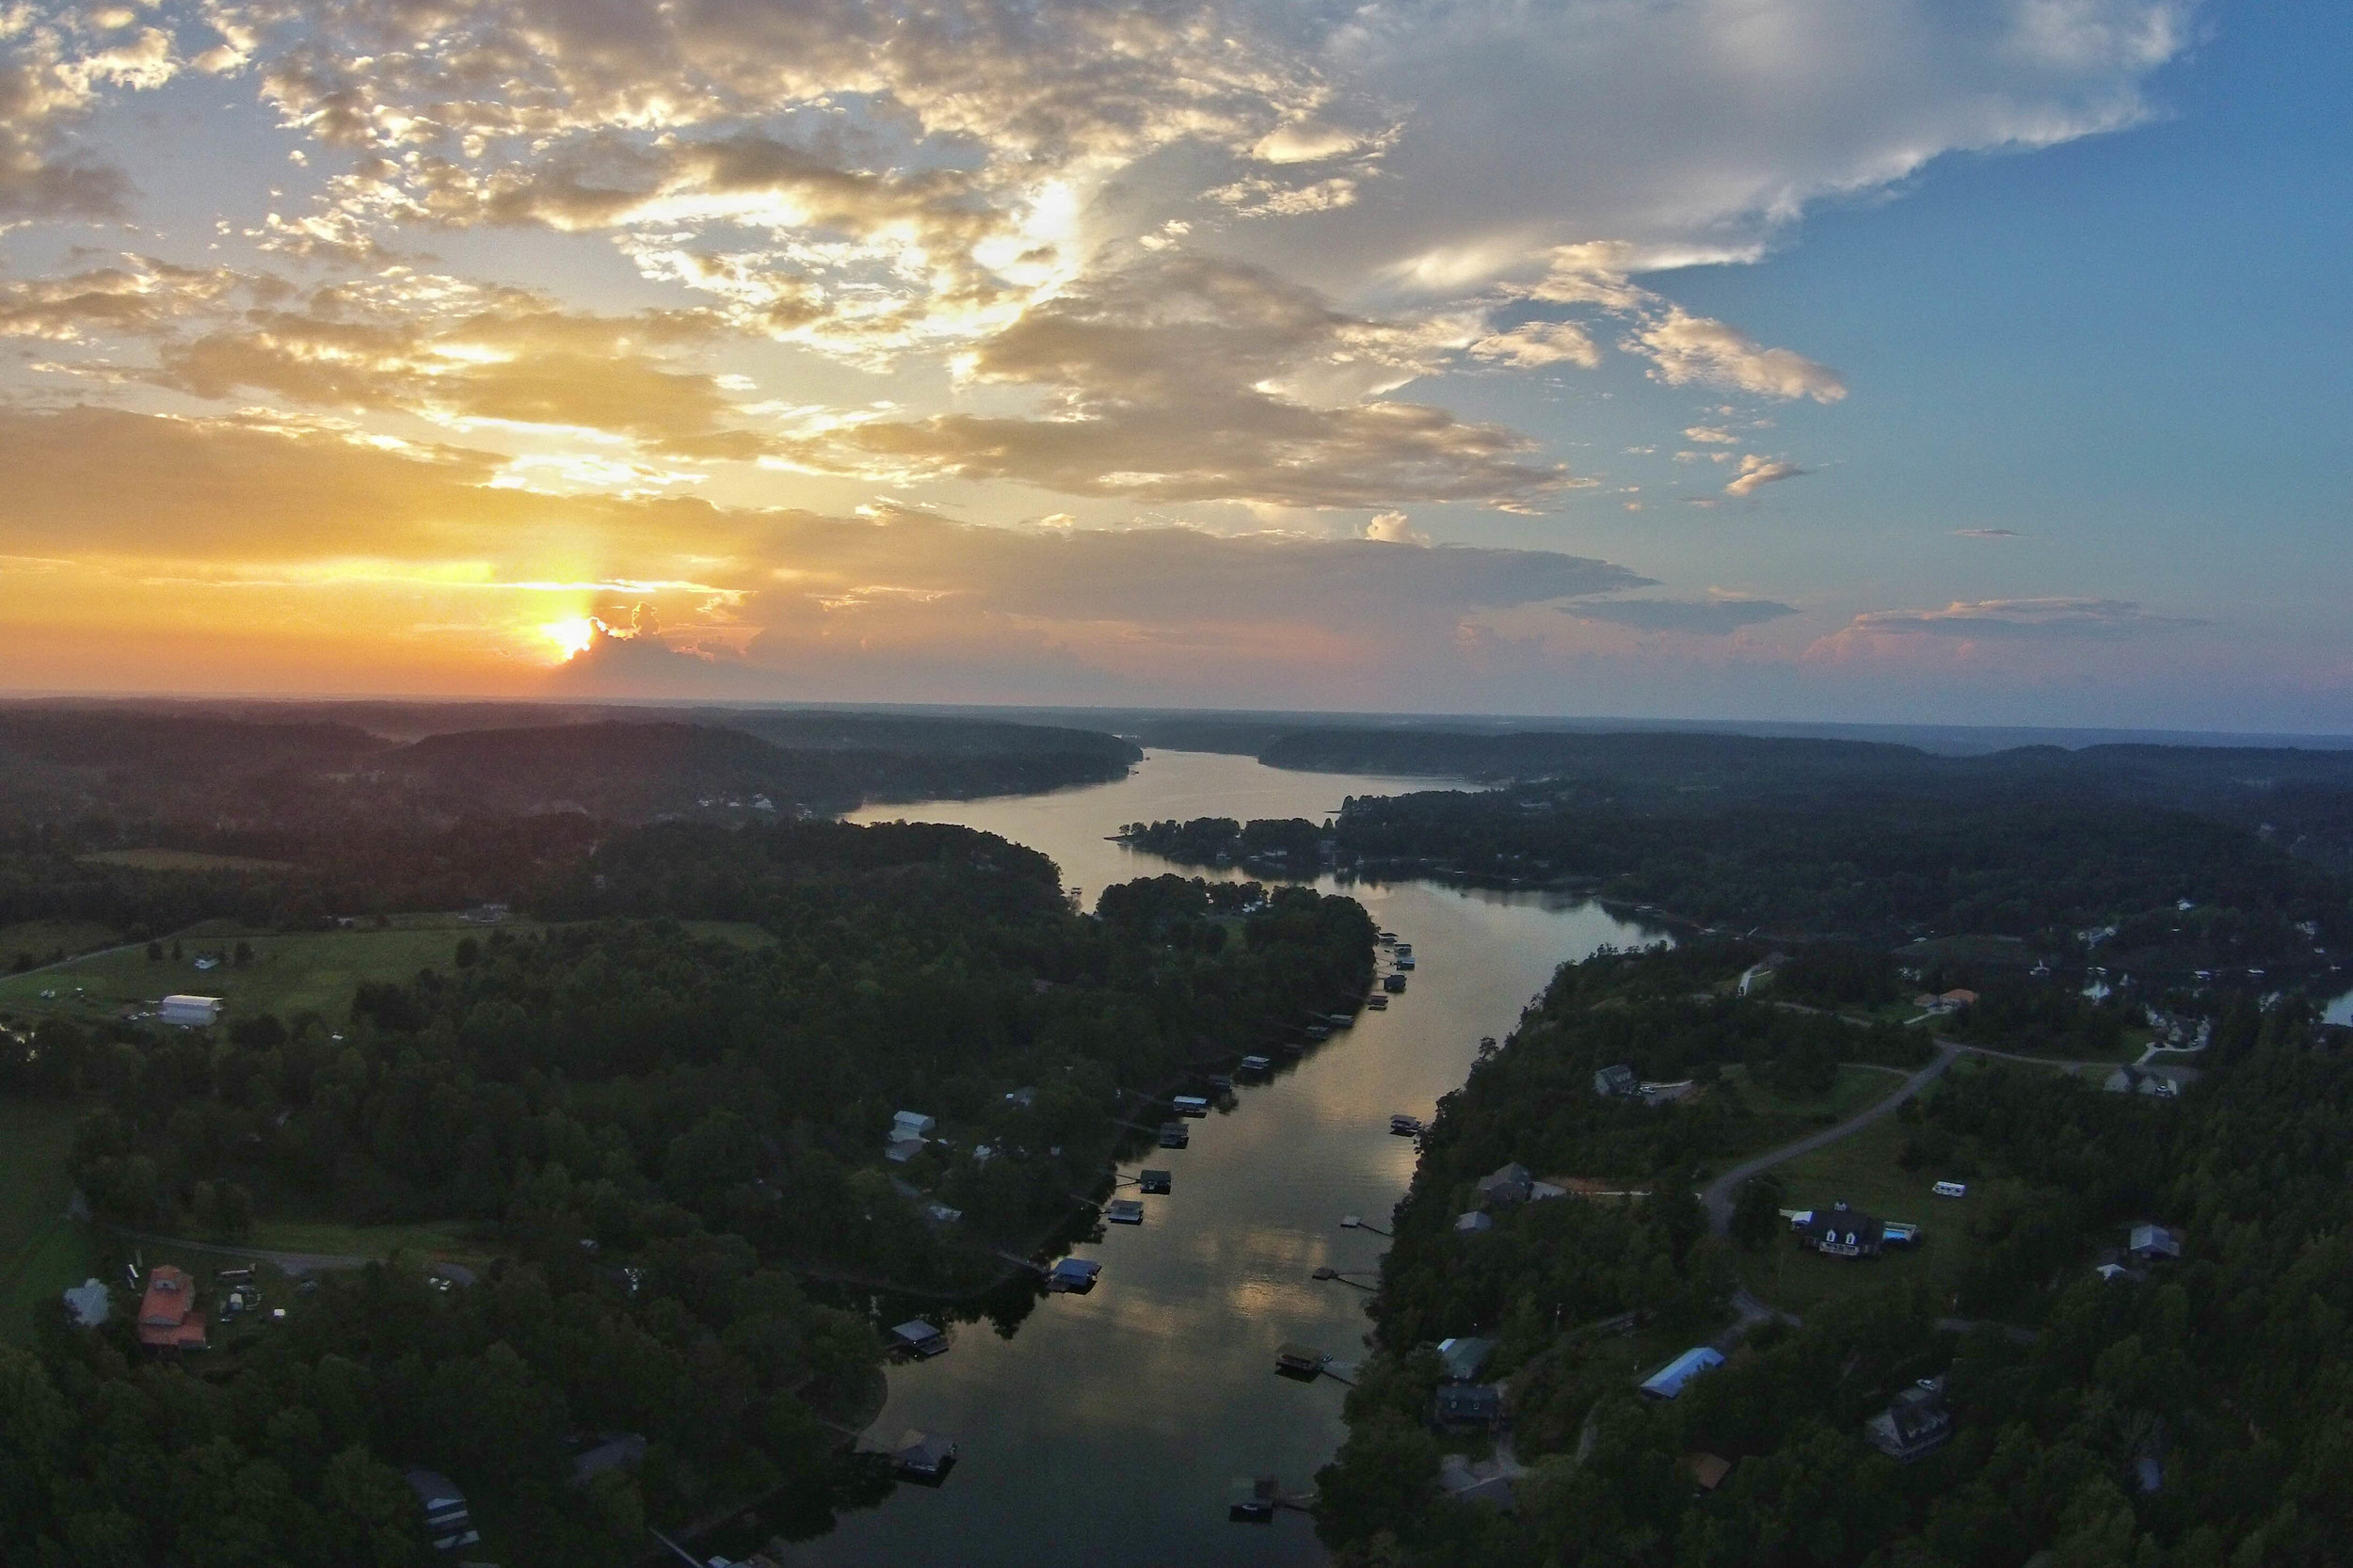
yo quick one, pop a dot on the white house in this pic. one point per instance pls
(190, 1012)
(910, 1124)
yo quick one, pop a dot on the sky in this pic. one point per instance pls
(1903, 361)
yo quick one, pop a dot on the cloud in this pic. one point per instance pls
(457, 353)
(139, 297)
(1687, 348)
(1756, 473)
(1987, 534)
(1394, 528)
(1534, 344)
(1714, 616)
(1181, 378)
(2022, 618)
(54, 64)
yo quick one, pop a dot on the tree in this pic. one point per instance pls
(1756, 1211)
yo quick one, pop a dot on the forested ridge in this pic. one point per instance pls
(2193, 1411)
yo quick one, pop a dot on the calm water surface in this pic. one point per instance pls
(1108, 1428)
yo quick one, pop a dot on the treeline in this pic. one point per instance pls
(1882, 873)
(290, 1450)
(1218, 840)
(2193, 1416)
(614, 1071)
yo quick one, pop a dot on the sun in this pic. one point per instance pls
(570, 637)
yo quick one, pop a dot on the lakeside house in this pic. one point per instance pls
(919, 1338)
(169, 1317)
(1475, 1221)
(2152, 1244)
(1513, 1183)
(1464, 1358)
(1914, 1422)
(1467, 1407)
(1481, 1480)
(448, 1521)
(1614, 1082)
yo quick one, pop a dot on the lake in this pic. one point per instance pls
(1108, 1427)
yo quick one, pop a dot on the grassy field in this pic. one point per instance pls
(742, 934)
(180, 860)
(1861, 1171)
(291, 973)
(40, 938)
(42, 1252)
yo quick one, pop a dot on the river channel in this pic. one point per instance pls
(1108, 1427)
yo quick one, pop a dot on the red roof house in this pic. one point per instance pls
(169, 1319)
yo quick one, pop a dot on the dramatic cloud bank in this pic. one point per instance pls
(466, 299)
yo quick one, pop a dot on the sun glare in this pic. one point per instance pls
(570, 637)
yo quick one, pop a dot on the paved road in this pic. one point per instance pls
(1725, 1188)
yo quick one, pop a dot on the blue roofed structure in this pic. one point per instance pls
(1666, 1383)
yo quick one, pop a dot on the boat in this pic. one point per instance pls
(1153, 1182)
(1340, 1020)
(1257, 1065)
(1073, 1276)
(1175, 1135)
(1407, 1126)
(1298, 1358)
(1124, 1212)
(1377, 1002)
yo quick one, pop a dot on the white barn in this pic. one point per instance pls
(190, 1012)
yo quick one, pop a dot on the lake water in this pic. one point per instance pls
(1107, 1428)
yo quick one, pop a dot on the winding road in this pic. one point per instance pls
(1722, 1193)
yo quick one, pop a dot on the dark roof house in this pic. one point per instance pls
(1513, 1183)
(1916, 1421)
(1469, 1406)
(448, 1522)
(1843, 1232)
(1614, 1081)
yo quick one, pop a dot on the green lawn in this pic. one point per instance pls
(182, 860)
(742, 934)
(39, 939)
(1861, 1171)
(291, 971)
(445, 1240)
(42, 1252)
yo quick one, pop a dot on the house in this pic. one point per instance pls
(1614, 1082)
(1667, 1093)
(1513, 1183)
(1154, 1181)
(1124, 1212)
(2140, 1081)
(1021, 1099)
(1666, 1383)
(1469, 1481)
(1469, 1407)
(169, 1317)
(189, 1012)
(89, 1304)
(1707, 1470)
(448, 1522)
(2153, 1244)
(1916, 1421)
(1474, 1223)
(606, 1450)
(941, 1214)
(1464, 1358)
(911, 1124)
(1955, 1000)
(1843, 1232)
(900, 1151)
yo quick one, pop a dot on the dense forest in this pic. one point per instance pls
(663, 1133)
(2188, 1413)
